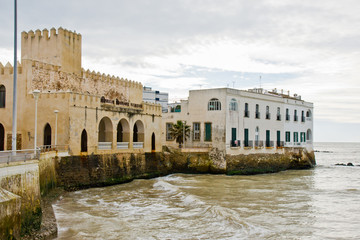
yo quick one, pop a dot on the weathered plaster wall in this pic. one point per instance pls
(22, 179)
(9, 215)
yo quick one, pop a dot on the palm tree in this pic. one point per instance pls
(178, 131)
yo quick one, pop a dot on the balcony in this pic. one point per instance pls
(259, 144)
(269, 144)
(104, 145)
(287, 117)
(257, 115)
(295, 118)
(279, 144)
(248, 144)
(278, 117)
(267, 116)
(122, 145)
(308, 119)
(288, 144)
(246, 113)
(235, 143)
(138, 145)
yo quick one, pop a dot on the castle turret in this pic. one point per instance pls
(62, 48)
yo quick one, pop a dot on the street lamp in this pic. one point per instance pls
(36, 94)
(56, 117)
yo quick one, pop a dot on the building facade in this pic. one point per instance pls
(243, 122)
(84, 111)
(154, 96)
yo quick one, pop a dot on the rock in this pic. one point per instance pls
(340, 164)
(350, 164)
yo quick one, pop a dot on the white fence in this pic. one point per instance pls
(104, 145)
(19, 155)
(138, 145)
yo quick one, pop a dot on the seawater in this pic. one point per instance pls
(320, 203)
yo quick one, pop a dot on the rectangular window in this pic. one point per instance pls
(208, 132)
(287, 136)
(296, 137)
(302, 137)
(246, 137)
(196, 129)
(168, 135)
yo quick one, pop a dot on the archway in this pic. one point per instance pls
(123, 133)
(47, 135)
(153, 142)
(2, 137)
(105, 137)
(138, 132)
(84, 141)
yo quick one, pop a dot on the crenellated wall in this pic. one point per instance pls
(61, 48)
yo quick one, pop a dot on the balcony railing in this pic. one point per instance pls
(287, 117)
(295, 118)
(278, 117)
(259, 144)
(279, 144)
(122, 145)
(302, 119)
(269, 144)
(104, 145)
(246, 113)
(267, 115)
(288, 144)
(248, 144)
(235, 143)
(257, 115)
(308, 119)
(138, 145)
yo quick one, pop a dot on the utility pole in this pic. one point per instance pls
(14, 122)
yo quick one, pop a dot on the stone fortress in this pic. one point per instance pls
(97, 113)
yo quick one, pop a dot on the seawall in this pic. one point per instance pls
(78, 172)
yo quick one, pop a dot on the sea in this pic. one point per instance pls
(319, 203)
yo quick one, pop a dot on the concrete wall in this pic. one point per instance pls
(10, 205)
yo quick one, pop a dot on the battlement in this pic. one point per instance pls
(8, 69)
(61, 48)
(152, 108)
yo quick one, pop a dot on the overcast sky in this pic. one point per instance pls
(309, 47)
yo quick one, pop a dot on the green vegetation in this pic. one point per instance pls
(178, 131)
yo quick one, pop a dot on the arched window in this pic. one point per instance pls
(256, 134)
(214, 105)
(84, 141)
(47, 135)
(308, 135)
(153, 145)
(267, 112)
(2, 137)
(246, 112)
(257, 113)
(233, 105)
(2, 96)
(138, 134)
(308, 113)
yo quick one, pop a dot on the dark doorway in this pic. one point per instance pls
(153, 142)
(135, 136)
(47, 135)
(84, 141)
(119, 133)
(2, 137)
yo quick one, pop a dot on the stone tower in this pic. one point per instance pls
(62, 49)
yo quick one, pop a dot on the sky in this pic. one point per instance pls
(308, 47)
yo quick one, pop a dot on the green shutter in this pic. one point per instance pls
(233, 134)
(246, 137)
(278, 138)
(207, 131)
(268, 138)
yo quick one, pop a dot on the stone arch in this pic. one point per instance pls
(138, 131)
(123, 131)
(47, 135)
(309, 135)
(84, 140)
(2, 96)
(153, 145)
(105, 130)
(2, 137)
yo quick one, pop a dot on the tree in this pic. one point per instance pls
(178, 131)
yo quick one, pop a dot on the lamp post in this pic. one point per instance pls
(184, 124)
(56, 117)
(14, 120)
(36, 94)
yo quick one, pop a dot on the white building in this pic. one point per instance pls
(243, 122)
(158, 97)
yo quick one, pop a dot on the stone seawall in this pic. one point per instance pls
(78, 172)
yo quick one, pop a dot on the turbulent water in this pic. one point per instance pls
(321, 203)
